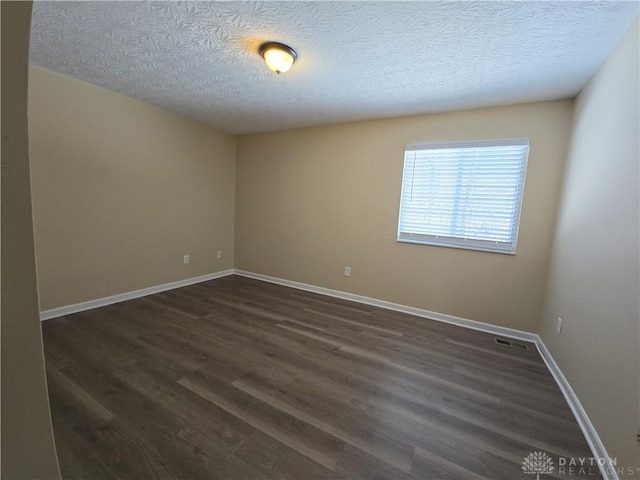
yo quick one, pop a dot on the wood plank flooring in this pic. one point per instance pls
(241, 379)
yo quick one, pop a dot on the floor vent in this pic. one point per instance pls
(509, 343)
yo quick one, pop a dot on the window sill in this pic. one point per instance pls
(461, 246)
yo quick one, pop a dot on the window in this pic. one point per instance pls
(464, 195)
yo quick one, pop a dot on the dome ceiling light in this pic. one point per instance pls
(278, 56)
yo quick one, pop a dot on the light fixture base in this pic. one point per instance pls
(278, 56)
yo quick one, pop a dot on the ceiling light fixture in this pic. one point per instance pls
(278, 56)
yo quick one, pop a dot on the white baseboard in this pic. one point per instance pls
(121, 297)
(595, 444)
(598, 449)
(419, 312)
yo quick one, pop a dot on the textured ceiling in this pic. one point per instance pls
(357, 60)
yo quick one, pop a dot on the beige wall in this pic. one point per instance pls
(311, 201)
(593, 278)
(26, 437)
(121, 191)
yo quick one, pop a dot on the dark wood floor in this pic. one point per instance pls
(240, 379)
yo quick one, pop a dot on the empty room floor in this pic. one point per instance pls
(241, 379)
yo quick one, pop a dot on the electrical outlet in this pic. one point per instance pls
(219, 255)
(186, 259)
(347, 271)
(559, 326)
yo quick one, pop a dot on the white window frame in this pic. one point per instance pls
(458, 242)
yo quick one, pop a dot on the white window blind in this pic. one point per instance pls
(465, 195)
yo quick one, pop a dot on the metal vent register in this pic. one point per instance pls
(509, 343)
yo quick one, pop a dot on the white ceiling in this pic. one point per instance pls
(357, 60)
